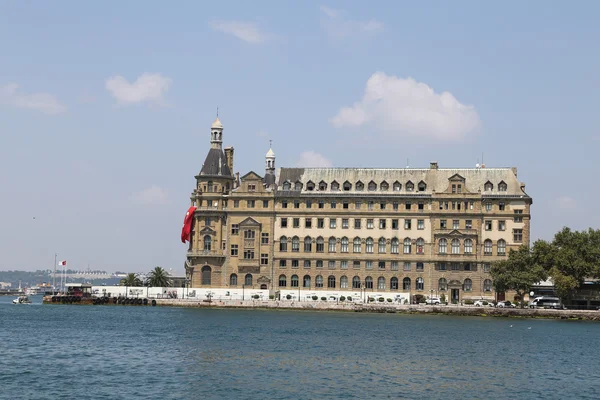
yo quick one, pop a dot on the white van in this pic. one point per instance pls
(546, 302)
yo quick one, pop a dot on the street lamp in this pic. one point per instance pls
(243, 287)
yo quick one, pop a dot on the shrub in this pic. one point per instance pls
(342, 298)
(324, 298)
(468, 302)
(371, 299)
(405, 301)
(289, 297)
(389, 300)
(256, 297)
(271, 296)
(349, 298)
(315, 298)
(443, 298)
(381, 299)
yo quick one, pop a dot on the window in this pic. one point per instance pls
(407, 266)
(307, 264)
(382, 223)
(420, 266)
(459, 187)
(420, 224)
(407, 246)
(488, 187)
(345, 205)
(321, 204)
(284, 222)
(248, 280)
(307, 244)
(249, 234)
(455, 224)
(335, 186)
(282, 263)
(501, 225)
(443, 246)
(295, 263)
(518, 216)
(455, 266)
(233, 280)
(468, 285)
(208, 221)
(356, 243)
(344, 223)
(501, 247)
(320, 223)
(395, 206)
(369, 245)
(410, 186)
(296, 222)
(308, 223)
(453, 188)
(501, 206)
(394, 224)
(250, 203)
(344, 282)
(306, 281)
(310, 186)
(468, 246)
(282, 281)
(331, 264)
(397, 186)
(488, 206)
(486, 267)
(319, 281)
(455, 246)
(298, 186)
(322, 185)
(487, 285)
(356, 264)
(264, 259)
(332, 223)
(357, 205)
(488, 225)
(356, 282)
(236, 204)
(502, 187)
(442, 224)
(368, 264)
(248, 254)
(394, 283)
(265, 203)
(284, 204)
(407, 224)
(487, 247)
(332, 245)
(344, 264)
(320, 245)
(468, 224)
(369, 224)
(370, 205)
(467, 267)
(406, 283)
(331, 281)
(234, 250)
(395, 244)
(369, 282)
(347, 186)
(294, 281)
(235, 229)
(420, 246)
(283, 243)
(308, 203)
(384, 186)
(422, 186)
(382, 205)
(407, 205)
(295, 244)
(442, 285)
(381, 265)
(421, 206)
(357, 223)
(394, 266)
(381, 283)
(344, 245)
(264, 238)
(207, 242)
(442, 266)
(517, 235)
(419, 284)
(381, 246)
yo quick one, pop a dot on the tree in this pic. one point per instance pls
(158, 277)
(518, 272)
(131, 279)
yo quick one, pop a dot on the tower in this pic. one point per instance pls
(216, 135)
(270, 167)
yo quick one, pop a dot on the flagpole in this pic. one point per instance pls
(54, 276)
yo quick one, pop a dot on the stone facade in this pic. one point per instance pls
(427, 232)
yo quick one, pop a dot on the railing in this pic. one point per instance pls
(212, 253)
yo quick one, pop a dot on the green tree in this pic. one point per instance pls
(518, 272)
(158, 277)
(131, 280)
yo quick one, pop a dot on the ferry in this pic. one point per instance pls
(22, 300)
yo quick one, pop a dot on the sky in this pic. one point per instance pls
(106, 108)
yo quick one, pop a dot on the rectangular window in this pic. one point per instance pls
(344, 223)
(320, 222)
(381, 265)
(501, 225)
(264, 238)
(394, 266)
(395, 206)
(333, 204)
(265, 203)
(284, 222)
(332, 223)
(394, 224)
(486, 267)
(282, 263)
(455, 266)
(296, 222)
(488, 206)
(368, 264)
(331, 264)
(382, 205)
(235, 229)
(369, 223)
(308, 203)
(420, 266)
(420, 224)
(264, 259)
(471, 205)
(345, 205)
(295, 263)
(467, 266)
(501, 206)
(208, 221)
(284, 204)
(421, 206)
(382, 223)
(357, 223)
(406, 266)
(357, 205)
(488, 225)
(249, 234)
(321, 204)
(234, 250)
(236, 204)
(250, 203)
(251, 187)
(306, 264)
(296, 204)
(518, 235)
(319, 264)
(370, 205)
(518, 216)
(407, 205)
(442, 266)
(356, 264)
(442, 224)
(308, 223)
(407, 224)
(468, 224)
(248, 254)
(455, 224)
(344, 264)
(453, 188)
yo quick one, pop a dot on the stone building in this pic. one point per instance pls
(429, 232)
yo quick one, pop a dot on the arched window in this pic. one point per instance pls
(347, 186)
(369, 282)
(422, 186)
(407, 246)
(320, 245)
(282, 281)
(307, 244)
(306, 281)
(344, 244)
(455, 246)
(206, 274)
(501, 247)
(468, 246)
(443, 246)
(394, 249)
(381, 245)
(209, 187)
(419, 284)
(344, 282)
(233, 280)
(381, 283)
(502, 187)
(384, 186)
(248, 280)
(335, 186)
(356, 282)
(372, 186)
(357, 245)
(332, 245)
(468, 285)
(298, 186)
(287, 185)
(319, 281)
(442, 285)
(294, 282)
(322, 185)
(397, 186)
(420, 246)
(369, 246)
(487, 285)
(296, 244)
(409, 186)
(406, 283)
(283, 243)
(331, 281)
(207, 242)
(394, 283)
(487, 247)
(359, 186)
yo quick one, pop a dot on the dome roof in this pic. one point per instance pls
(270, 153)
(217, 124)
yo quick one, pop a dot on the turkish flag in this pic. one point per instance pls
(188, 221)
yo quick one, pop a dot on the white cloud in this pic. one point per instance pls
(566, 203)
(312, 159)
(404, 107)
(246, 31)
(151, 196)
(44, 102)
(147, 87)
(338, 25)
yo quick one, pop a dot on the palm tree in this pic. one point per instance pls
(158, 277)
(131, 279)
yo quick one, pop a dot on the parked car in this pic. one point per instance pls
(546, 302)
(505, 304)
(483, 303)
(434, 301)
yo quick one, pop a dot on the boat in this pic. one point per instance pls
(22, 300)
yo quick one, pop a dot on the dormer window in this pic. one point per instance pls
(372, 186)
(335, 186)
(310, 186)
(397, 186)
(287, 185)
(298, 186)
(322, 185)
(488, 187)
(347, 186)
(384, 186)
(360, 186)
(502, 187)
(410, 186)
(422, 186)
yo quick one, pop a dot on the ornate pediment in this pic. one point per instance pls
(263, 279)
(207, 230)
(456, 178)
(454, 283)
(251, 176)
(250, 222)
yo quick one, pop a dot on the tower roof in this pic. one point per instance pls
(217, 124)
(270, 153)
(215, 164)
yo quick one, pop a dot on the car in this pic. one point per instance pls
(482, 303)
(505, 304)
(434, 301)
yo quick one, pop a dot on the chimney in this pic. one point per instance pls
(433, 165)
(236, 182)
(229, 157)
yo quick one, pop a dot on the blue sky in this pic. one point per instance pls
(105, 108)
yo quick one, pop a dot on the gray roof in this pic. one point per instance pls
(435, 180)
(215, 164)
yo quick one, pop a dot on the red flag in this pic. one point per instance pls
(188, 221)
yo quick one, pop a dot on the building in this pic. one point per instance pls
(418, 232)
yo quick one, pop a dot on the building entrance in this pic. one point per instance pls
(454, 295)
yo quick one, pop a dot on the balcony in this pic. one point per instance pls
(205, 253)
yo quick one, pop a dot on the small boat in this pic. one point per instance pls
(22, 300)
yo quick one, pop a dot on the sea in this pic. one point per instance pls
(126, 352)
